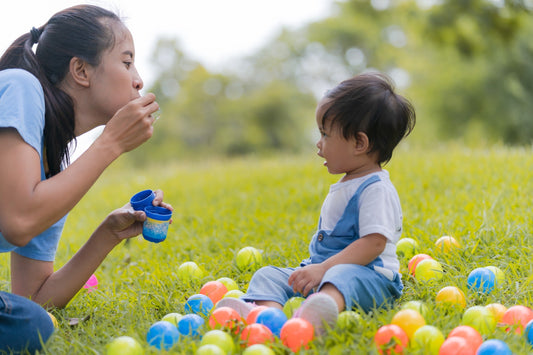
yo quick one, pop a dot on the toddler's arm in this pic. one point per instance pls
(362, 251)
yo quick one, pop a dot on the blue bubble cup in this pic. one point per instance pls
(155, 227)
(142, 199)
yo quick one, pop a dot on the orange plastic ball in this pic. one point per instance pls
(297, 333)
(517, 316)
(471, 335)
(391, 339)
(497, 310)
(215, 290)
(225, 317)
(456, 345)
(256, 334)
(451, 295)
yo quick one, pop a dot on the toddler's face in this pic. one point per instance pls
(338, 152)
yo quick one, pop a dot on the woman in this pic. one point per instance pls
(81, 75)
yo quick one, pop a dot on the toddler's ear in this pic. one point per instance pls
(361, 143)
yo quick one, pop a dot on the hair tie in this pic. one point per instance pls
(35, 34)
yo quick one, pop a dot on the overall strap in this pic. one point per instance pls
(349, 222)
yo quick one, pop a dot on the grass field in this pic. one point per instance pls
(483, 198)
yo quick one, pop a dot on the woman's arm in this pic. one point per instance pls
(29, 206)
(37, 280)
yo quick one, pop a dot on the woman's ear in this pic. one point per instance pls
(79, 71)
(362, 143)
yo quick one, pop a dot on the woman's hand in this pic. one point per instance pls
(126, 222)
(131, 126)
(305, 279)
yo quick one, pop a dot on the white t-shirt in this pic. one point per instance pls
(379, 212)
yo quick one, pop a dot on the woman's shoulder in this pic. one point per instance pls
(18, 77)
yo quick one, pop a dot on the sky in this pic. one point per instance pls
(211, 31)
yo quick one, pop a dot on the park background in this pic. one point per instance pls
(235, 153)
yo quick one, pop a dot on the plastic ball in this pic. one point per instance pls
(407, 247)
(220, 339)
(348, 320)
(409, 320)
(481, 280)
(292, 305)
(427, 338)
(54, 320)
(455, 346)
(494, 347)
(209, 349)
(498, 273)
(497, 310)
(428, 270)
(258, 349)
(479, 318)
(273, 318)
(229, 283)
(417, 305)
(252, 315)
(248, 259)
(226, 318)
(451, 295)
(296, 334)
(172, 318)
(215, 290)
(517, 317)
(124, 345)
(189, 271)
(190, 325)
(413, 262)
(471, 335)
(198, 304)
(162, 334)
(528, 332)
(91, 284)
(256, 334)
(391, 339)
(446, 244)
(234, 294)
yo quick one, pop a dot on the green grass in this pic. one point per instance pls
(481, 197)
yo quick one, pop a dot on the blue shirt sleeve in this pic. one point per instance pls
(22, 108)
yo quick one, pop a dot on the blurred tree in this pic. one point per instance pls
(467, 66)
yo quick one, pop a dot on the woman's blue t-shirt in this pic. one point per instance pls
(22, 108)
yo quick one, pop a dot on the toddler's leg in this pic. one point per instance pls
(268, 287)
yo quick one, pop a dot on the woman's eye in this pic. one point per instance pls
(128, 64)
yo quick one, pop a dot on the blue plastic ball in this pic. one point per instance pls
(199, 304)
(528, 332)
(482, 280)
(189, 325)
(494, 347)
(162, 334)
(273, 319)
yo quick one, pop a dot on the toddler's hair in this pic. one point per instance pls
(367, 103)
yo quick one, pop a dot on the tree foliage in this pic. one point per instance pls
(466, 65)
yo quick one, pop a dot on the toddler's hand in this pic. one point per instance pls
(304, 280)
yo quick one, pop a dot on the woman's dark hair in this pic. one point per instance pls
(81, 31)
(367, 103)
